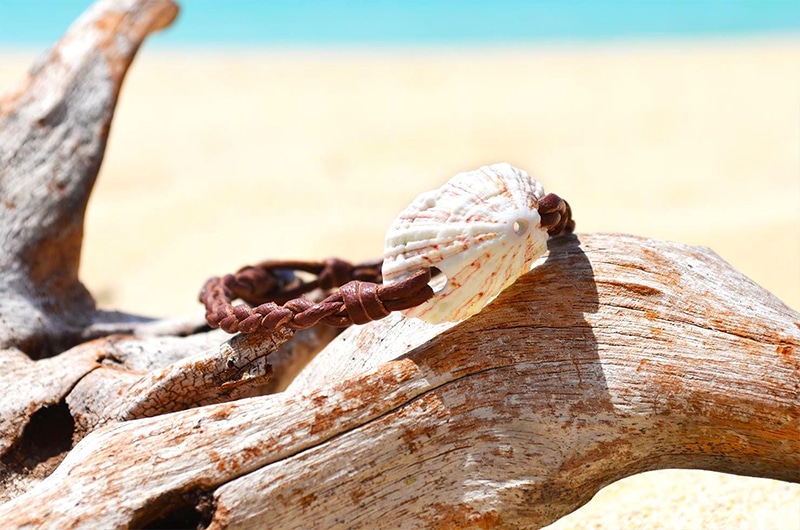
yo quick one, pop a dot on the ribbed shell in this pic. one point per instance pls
(481, 229)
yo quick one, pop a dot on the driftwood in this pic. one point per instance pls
(615, 355)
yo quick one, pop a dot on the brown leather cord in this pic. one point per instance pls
(356, 302)
(276, 292)
(556, 215)
(275, 281)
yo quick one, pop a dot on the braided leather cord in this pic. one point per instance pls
(271, 284)
(275, 281)
(274, 293)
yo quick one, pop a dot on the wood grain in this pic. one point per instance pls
(594, 366)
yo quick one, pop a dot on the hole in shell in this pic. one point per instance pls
(439, 280)
(520, 227)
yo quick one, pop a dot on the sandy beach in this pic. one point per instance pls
(216, 160)
(221, 159)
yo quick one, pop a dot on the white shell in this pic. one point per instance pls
(481, 229)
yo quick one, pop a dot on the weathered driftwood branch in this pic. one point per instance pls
(616, 355)
(53, 132)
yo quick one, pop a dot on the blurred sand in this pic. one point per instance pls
(221, 159)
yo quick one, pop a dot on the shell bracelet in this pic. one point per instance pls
(447, 255)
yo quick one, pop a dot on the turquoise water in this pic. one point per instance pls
(211, 23)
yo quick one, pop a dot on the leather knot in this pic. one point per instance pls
(362, 302)
(556, 215)
(336, 273)
(254, 284)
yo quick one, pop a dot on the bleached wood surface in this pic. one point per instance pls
(53, 132)
(616, 355)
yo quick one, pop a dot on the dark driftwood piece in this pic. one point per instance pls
(617, 354)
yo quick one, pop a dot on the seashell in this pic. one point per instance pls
(481, 229)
